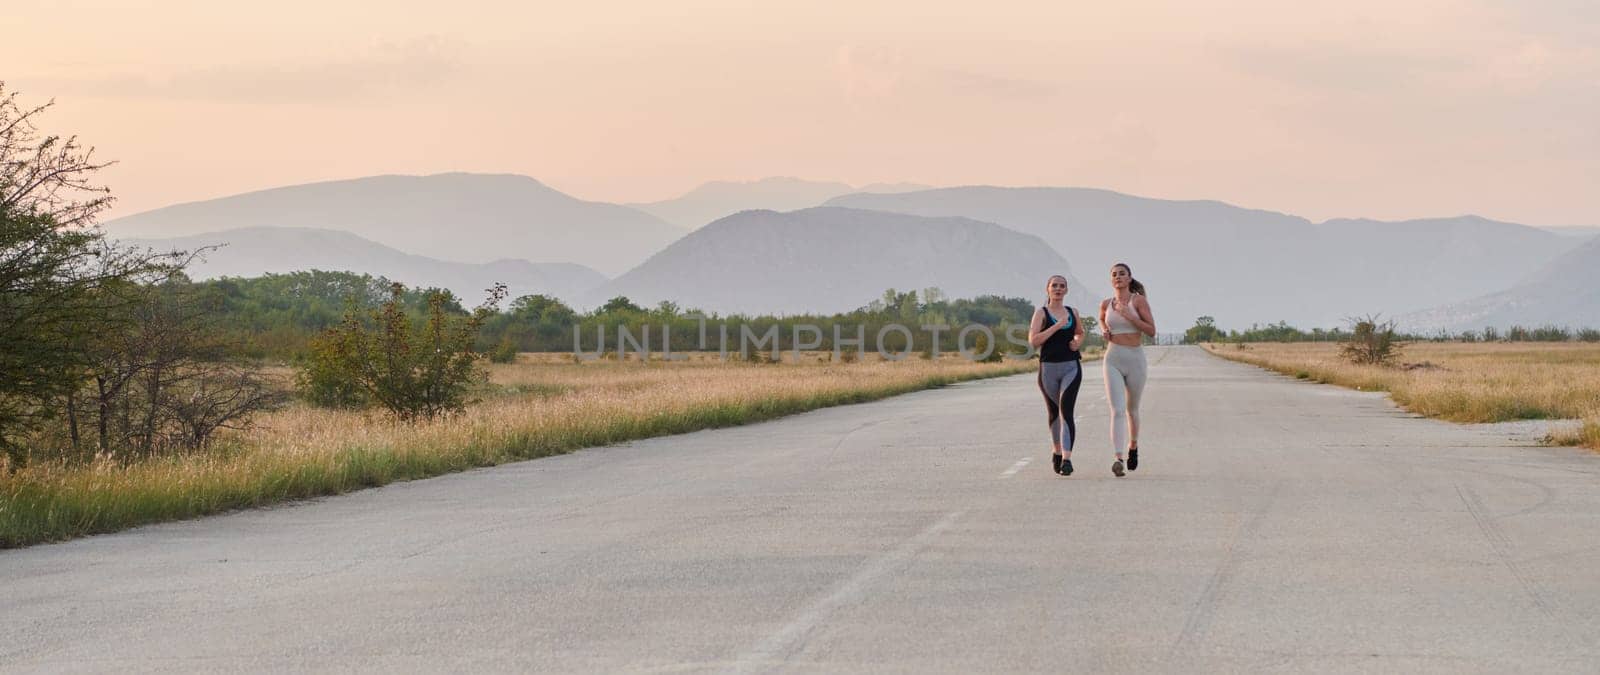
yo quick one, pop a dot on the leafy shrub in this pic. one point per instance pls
(1372, 342)
(416, 372)
(505, 352)
(326, 381)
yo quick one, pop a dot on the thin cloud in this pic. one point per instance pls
(867, 73)
(993, 86)
(1342, 65)
(1510, 65)
(387, 70)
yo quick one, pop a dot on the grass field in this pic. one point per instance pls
(1460, 382)
(537, 407)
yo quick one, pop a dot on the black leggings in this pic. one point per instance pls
(1059, 381)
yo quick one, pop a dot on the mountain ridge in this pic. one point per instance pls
(1242, 265)
(250, 252)
(1566, 292)
(850, 258)
(461, 217)
(715, 199)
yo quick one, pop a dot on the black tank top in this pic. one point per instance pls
(1058, 347)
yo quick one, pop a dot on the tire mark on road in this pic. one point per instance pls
(1205, 608)
(1503, 549)
(789, 639)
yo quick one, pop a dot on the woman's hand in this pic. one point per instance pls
(1126, 310)
(1077, 342)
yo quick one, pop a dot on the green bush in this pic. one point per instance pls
(415, 371)
(505, 352)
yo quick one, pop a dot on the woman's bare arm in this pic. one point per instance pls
(1142, 318)
(1036, 336)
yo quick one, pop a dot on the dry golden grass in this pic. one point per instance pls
(1587, 435)
(1460, 382)
(532, 408)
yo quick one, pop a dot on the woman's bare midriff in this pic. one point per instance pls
(1127, 339)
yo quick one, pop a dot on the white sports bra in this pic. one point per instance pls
(1116, 322)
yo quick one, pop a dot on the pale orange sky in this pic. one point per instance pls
(1356, 108)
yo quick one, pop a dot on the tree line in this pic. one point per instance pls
(1205, 329)
(279, 316)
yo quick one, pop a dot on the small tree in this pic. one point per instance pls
(61, 283)
(1203, 330)
(1372, 342)
(504, 352)
(162, 377)
(620, 303)
(981, 343)
(217, 395)
(415, 371)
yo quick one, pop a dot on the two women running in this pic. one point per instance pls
(1057, 333)
(1125, 318)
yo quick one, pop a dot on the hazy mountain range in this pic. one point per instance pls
(1582, 232)
(254, 251)
(1565, 292)
(1244, 265)
(455, 216)
(1239, 265)
(835, 259)
(721, 198)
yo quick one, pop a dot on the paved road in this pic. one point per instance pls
(1275, 525)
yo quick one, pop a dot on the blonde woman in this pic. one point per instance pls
(1125, 319)
(1057, 333)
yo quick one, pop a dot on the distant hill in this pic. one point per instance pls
(1565, 292)
(1580, 231)
(836, 259)
(255, 251)
(1247, 266)
(721, 198)
(455, 216)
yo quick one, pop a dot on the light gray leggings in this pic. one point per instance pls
(1125, 375)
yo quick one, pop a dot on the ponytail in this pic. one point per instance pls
(1134, 285)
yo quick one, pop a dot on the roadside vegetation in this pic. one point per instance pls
(1206, 330)
(532, 408)
(131, 394)
(1459, 382)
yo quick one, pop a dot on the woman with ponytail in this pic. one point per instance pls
(1057, 333)
(1125, 319)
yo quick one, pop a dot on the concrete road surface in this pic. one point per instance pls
(1275, 525)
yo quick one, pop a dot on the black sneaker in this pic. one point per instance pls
(1055, 461)
(1116, 468)
(1133, 459)
(1066, 467)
